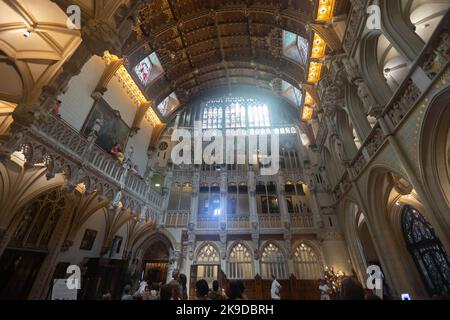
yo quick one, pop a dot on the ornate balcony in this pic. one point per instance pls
(177, 219)
(238, 222)
(302, 221)
(204, 222)
(269, 221)
(433, 63)
(62, 149)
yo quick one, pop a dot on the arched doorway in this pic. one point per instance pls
(426, 249)
(155, 262)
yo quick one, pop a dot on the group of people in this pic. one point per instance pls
(176, 289)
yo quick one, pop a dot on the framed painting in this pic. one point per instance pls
(114, 129)
(88, 239)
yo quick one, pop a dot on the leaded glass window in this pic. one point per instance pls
(307, 264)
(273, 263)
(208, 254)
(240, 263)
(148, 69)
(169, 105)
(292, 93)
(39, 220)
(235, 114)
(258, 116)
(295, 47)
(427, 251)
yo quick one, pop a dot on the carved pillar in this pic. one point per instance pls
(335, 250)
(166, 193)
(251, 183)
(194, 199)
(223, 199)
(284, 212)
(174, 257)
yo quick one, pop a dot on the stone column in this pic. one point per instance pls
(223, 199)
(335, 251)
(251, 185)
(174, 256)
(194, 199)
(284, 212)
(166, 194)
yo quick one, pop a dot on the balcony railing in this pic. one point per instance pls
(63, 149)
(269, 221)
(433, 61)
(207, 222)
(302, 221)
(177, 219)
(238, 222)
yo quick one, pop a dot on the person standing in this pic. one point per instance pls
(183, 282)
(324, 290)
(175, 283)
(275, 289)
(127, 293)
(215, 293)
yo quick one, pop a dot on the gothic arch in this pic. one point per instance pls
(399, 29)
(370, 67)
(159, 235)
(434, 158)
(276, 262)
(330, 166)
(350, 230)
(345, 130)
(203, 245)
(382, 197)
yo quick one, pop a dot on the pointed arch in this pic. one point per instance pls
(273, 261)
(240, 261)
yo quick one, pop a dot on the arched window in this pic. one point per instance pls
(427, 251)
(208, 260)
(307, 264)
(39, 221)
(240, 263)
(208, 254)
(273, 263)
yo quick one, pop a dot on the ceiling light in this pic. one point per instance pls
(27, 34)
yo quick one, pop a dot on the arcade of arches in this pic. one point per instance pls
(89, 174)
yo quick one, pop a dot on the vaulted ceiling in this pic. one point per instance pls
(205, 44)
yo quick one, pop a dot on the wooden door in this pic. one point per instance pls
(18, 271)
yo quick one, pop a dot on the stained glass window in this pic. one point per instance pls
(258, 116)
(273, 262)
(292, 93)
(307, 264)
(169, 105)
(243, 116)
(208, 254)
(427, 251)
(295, 47)
(235, 115)
(148, 69)
(240, 263)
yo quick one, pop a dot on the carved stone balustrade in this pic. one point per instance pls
(302, 221)
(177, 218)
(269, 221)
(62, 149)
(238, 222)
